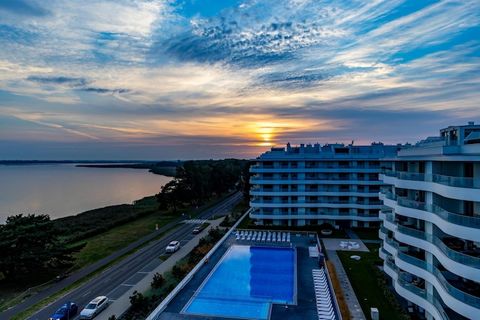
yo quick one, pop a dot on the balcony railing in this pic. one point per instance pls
(454, 255)
(451, 289)
(461, 182)
(456, 292)
(460, 219)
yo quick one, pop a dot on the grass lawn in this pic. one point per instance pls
(104, 244)
(367, 233)
(369, 284)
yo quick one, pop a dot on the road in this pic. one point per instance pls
(117, 279)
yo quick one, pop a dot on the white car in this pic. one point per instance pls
(172, 247)
(94, 307)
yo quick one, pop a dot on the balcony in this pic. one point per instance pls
(464, 257)
(460, 182)
(453, 287)
(455, 218)
(464, 293)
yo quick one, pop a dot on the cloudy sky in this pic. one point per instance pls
(138, 79)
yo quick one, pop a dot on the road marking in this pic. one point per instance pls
(143, 272)
(86, 293)
(127, 285)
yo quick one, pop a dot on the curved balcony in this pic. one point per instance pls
(450, 187)
(462, 226)
(462, 302)
(458, 263)
(413, 293)
(452, 181)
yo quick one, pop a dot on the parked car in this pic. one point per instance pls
(94, 307)
(65, 312)
(173, 246)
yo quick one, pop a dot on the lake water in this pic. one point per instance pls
(62, 189)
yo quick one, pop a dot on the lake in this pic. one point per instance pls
(62, 189)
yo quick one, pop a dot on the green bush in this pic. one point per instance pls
(158, 280)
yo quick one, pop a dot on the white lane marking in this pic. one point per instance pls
(86, 293)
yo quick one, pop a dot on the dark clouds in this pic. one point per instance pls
(23, 7)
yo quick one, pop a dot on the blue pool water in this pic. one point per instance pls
(246, 282)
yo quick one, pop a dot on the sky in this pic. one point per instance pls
(200, 79)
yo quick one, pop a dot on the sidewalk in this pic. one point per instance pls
(350, 297)
(55, 287)
(120, 305)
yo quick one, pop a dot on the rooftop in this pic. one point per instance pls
(456, 141)
(333, 151)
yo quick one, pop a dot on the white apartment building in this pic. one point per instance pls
(313, 184)
(431, 224)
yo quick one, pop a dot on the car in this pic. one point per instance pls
(197, 230)
(173, 246)
(94, 307)
(66, 312)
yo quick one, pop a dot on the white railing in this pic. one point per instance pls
(161, 307)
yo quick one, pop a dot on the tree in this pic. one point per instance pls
(157, 281)
(30, 244)
(138, 301)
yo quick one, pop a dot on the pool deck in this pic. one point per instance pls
(306, 304)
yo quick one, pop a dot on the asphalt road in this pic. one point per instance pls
(116, 280)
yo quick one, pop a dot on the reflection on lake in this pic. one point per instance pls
(62, 190)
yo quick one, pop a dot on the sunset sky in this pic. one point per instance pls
(225, 78)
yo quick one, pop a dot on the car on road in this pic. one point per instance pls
(197, 230)
(172, 247)
(65, 312)
(94, 307)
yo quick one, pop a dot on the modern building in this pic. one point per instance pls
(431, 224)
(313, 184)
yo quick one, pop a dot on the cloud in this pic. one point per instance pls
(104, 90)
(315, 70)
(62, 80)
(24, 7)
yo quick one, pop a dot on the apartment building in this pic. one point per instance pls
(431, 224)
(313, 184)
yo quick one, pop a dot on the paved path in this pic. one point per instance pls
(118, 279)
(112, 278)
(122, 303)
(350, 297)
(56, 287)
(351, 233)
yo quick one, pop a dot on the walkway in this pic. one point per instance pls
(350, 297)
(122, 303)
(77, 275)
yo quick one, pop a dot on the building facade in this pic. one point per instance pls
(313, 184)
(431, 224)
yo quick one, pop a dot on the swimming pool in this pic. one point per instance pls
(245, 283)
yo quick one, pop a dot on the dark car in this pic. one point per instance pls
(65, 312)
